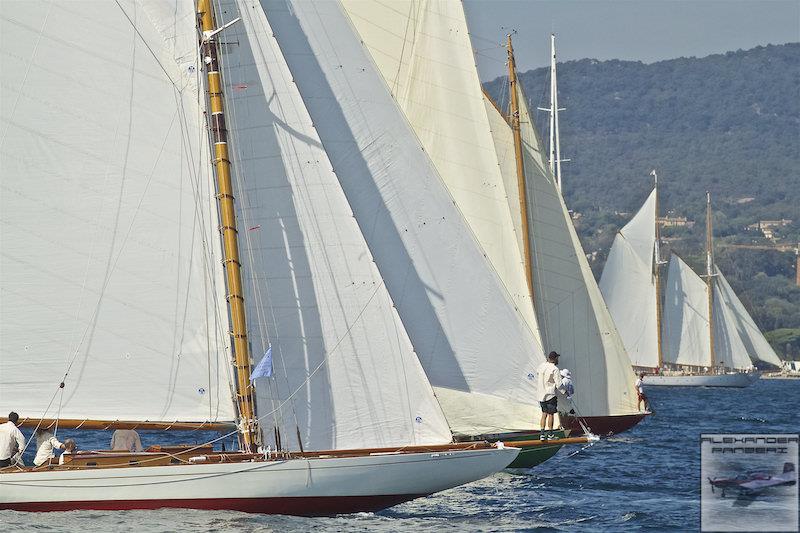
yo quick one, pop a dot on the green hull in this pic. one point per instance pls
(531, 456)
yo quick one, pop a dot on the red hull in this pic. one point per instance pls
(605, 425)
(311, 506)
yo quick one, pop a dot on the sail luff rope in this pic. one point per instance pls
(274, 395)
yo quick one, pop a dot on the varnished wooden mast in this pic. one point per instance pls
(710, 278)
(216, 119)
(523, 194)
(657, 274)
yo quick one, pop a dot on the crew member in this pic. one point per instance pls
(12, 441)
(549, 381)
(69, 449)
(47, 444)
(641, 394)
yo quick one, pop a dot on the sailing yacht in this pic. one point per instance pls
(702, 335)
(482, 362)
(568, 308)
(156, 233)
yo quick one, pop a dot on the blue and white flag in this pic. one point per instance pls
(264, 367)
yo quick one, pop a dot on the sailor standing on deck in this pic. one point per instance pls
(548, 383)
(12, 441)
(640, 393)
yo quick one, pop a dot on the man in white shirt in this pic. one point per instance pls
(12, 441)
(126, 439)
(47, 446)
(640, 393)
(548, 383)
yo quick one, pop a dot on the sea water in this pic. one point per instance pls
(645, 479)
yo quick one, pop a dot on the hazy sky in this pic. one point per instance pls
(645, 30)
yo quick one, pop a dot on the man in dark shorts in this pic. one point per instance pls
(548, 383)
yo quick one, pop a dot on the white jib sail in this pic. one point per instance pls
(685, 331)
(738, 322)
(109, 247)
(468, 337)
(345, 373)
(424, 53)
(629, 288)
(572, 314)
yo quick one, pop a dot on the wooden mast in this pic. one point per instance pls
(710, 278)
(657, 274)
(523, 195)
(244, 389)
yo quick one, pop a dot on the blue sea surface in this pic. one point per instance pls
(647, 479)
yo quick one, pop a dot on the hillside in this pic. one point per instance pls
(726, 123)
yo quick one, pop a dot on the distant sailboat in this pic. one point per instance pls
(119, 291)
(703, 336)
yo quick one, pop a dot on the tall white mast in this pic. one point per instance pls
(553, 98)
(555, 141)
(554, 105)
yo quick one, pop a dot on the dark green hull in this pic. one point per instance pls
(533, 455)
(530, 456)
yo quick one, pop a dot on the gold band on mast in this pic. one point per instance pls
(523, 194)
(222, 164)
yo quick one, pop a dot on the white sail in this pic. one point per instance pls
(570, 308)
(467, 335)
(430, 69)
(738, 322)
(685, 331)
(629, 288)
(345, 373)
(109, 249)
(737, 340)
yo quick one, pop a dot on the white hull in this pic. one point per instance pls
(739, 380)
(299, 486)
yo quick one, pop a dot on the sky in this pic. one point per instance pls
(643, 30)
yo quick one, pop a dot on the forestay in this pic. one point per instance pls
(345, 373)
(569, 306)
(467, 335)
(110, 252)
(629, 288)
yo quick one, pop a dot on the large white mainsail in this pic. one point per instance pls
(685, 325)
(739, 325)
(108, 230)
(629, 287)
(573, 317)
(475, 347)
(345, 370)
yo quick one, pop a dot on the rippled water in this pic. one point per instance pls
(645, 479)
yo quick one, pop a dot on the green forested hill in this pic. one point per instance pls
(726, 123)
